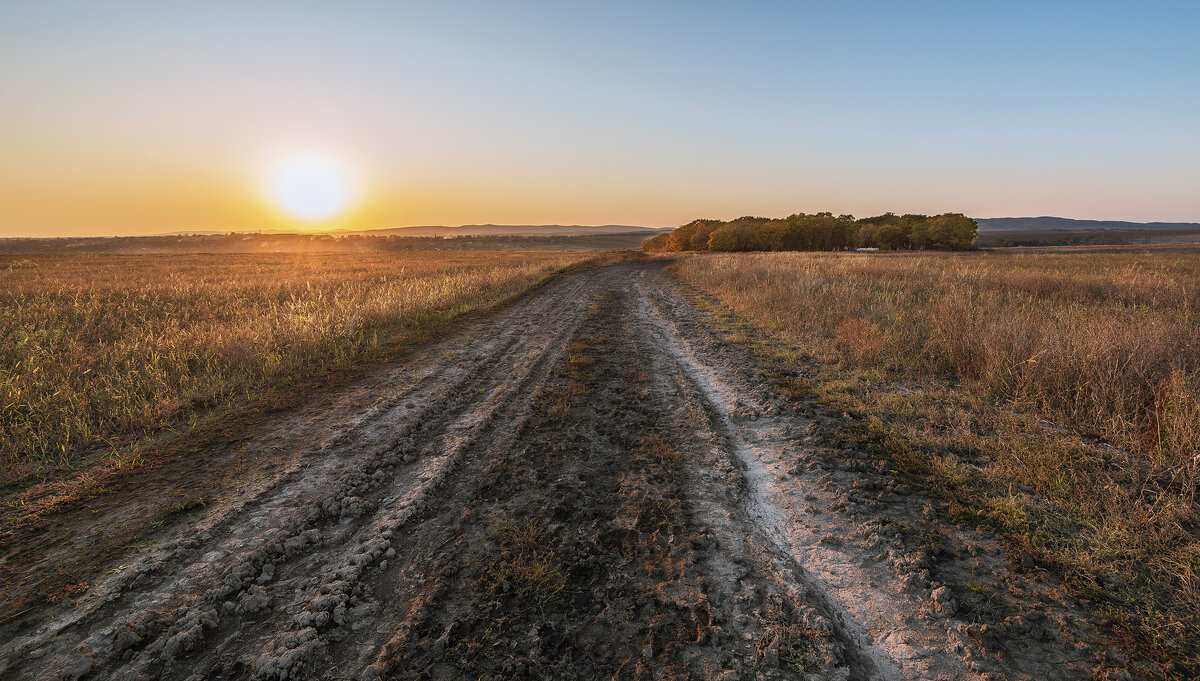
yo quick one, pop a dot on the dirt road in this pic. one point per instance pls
(587, 484)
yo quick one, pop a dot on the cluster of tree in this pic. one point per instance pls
(820, 232)
(945, 232)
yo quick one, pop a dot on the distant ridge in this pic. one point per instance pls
(443, 230)
(466, 238)
(505, 230)
(1047, 223)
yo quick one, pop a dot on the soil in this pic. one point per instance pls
(586, 484)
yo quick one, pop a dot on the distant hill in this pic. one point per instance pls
(1050, 231)
(506, 230)
(1046, 223)
(625, 238)
(447, 231)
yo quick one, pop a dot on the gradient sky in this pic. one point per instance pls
(142, 117)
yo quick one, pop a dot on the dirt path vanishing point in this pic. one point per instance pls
(587, 484)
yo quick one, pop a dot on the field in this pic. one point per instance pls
(575, 466)
(98, 351)
(1055, 397)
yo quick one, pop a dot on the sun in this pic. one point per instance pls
(310, 186)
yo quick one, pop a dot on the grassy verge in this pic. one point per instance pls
(1052, 399)
(111, 364)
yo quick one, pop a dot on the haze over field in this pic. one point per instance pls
(137, 117)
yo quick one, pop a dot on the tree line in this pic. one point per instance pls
(820, 232)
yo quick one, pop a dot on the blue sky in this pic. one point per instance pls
(142, 117)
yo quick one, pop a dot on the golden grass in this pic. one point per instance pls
(1053, 397)
(97, 351)
(1105, 343)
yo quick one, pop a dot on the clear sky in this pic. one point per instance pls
(137, 117)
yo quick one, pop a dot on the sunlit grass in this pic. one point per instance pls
(1106, 343)
(99, 350)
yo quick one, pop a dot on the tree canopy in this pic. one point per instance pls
(820, 232)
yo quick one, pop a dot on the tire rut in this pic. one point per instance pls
(598, 493)
(865, 660)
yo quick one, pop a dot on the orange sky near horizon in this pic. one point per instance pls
(158, 203)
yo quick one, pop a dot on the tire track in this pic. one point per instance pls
(656, 588)
(866, 660)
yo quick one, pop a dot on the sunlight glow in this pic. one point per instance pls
(310, 186)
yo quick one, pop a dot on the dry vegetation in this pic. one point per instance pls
(98, 351)
(1053, 397)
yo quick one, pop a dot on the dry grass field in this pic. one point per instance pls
(599, 466)
(1054, 397)
(98, 351)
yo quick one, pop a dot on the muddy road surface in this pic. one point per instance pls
(587, 484)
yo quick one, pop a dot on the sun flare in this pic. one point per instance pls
(310, 186)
